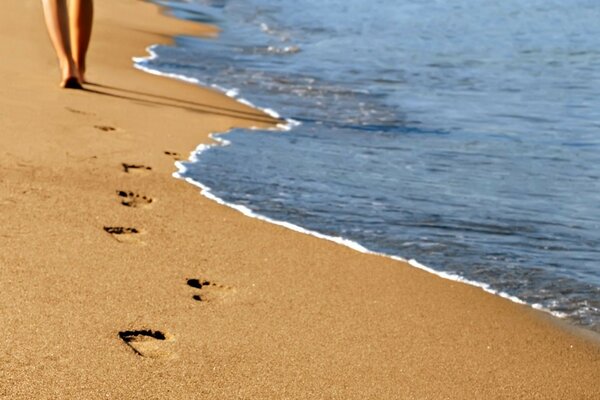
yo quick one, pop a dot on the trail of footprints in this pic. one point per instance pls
(147, 342)
(157, 344)
(150, 343)
(131, 199)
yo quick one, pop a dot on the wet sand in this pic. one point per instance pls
(119, 281)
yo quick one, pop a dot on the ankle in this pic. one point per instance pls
(70, 76)
(79, 64)
(68, 70)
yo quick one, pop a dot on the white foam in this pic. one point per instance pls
(232, 92)
(264, 27)
(207, 192)
(283, 50)
(290, 124)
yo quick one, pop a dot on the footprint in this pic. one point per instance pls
(123, 235)
(128, 168)
(131, 199)
(176, 156)
(75, 111)
(105, 128)
(210, 291)
(149, 343)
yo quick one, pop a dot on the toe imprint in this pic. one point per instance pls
(130, 199)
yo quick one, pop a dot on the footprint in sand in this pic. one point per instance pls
(75, 111)
(124, 235)
(130, 199)
(105, 128)
(149, 343)
(209, 291)
(174, 155)
(129, 168)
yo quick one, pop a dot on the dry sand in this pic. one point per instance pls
(87, 314)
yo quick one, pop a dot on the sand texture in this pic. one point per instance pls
(121, 282)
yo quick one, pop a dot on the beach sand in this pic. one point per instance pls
(123, 282)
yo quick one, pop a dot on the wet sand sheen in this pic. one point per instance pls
(179, 297)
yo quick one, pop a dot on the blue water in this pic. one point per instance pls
(463, 134)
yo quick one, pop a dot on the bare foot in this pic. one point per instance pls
(71, 83)
(80, 67)
(71, 79)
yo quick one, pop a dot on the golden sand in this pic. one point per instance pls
(118, 281)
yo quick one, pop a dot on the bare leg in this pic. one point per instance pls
(81, 15)
(57, 22)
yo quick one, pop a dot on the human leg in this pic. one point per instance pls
(81, 15)
(57, 22)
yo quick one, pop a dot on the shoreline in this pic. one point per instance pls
(219, 140)
(199, 301)
(206, 191)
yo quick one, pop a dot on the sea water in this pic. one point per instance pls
(463, 134)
